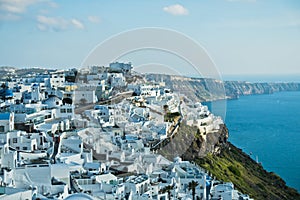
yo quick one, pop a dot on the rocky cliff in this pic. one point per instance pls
(227, 163)
(189, 144)
(212, 151)
(238, 88)
(205, 89)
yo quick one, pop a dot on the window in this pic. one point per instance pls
(69, 110)
(15, 140)
(63, 110)
(25, 148)
(1, 128)
(48, 116)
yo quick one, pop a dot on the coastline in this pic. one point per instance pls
(241, 131)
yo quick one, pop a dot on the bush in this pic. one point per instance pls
(234, 170)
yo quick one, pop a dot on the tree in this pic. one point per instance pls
(192, 186)
(4, 86)
(166, 108)
(168, 190)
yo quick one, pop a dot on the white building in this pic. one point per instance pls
(120, 67)
(57, 79)
(52, 102)
(65, 111)
(22, 141)
(6, 122)
(149, 90)
(85, 95)
(48, 179)
(225, 191)
(36, 95)
(117, 80)
(137, 184)
(9, 193)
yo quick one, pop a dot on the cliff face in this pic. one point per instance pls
(204, 89)
(228, 163)
(189, 144)
(237, 88)
(212, 151)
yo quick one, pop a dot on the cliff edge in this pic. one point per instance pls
(227, 163)
(206, 89)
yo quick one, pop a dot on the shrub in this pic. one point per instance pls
(234, 170)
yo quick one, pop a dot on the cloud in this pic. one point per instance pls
(94, 19)
(57, 23)
(16, 6)
(54, 23)
(176, 9)
(77, 23)
(12, 10)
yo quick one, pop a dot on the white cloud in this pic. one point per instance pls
(77, 23)
(176, 9)
(11, 10)
(94, 19)
(16, 6)
(57, 23)
(53, 23)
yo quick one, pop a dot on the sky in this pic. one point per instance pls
(242, 37)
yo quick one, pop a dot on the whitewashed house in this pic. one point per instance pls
(117, 80)
(9, 193)
(85, 94)
(120, 67)
(6, 122)
(57, 79)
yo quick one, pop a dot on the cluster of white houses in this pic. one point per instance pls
(47, 151)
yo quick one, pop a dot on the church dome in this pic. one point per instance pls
(79, 196)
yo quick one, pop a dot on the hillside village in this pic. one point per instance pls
(94, 133)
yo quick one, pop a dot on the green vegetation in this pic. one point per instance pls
(249, 177)
(167, 189)
(234, 170)
(229, 164)
(171, 116)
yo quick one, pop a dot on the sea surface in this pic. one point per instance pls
(267, 127)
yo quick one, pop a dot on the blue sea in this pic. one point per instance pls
(267, 127)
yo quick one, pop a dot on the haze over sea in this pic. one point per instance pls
(267, 127)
